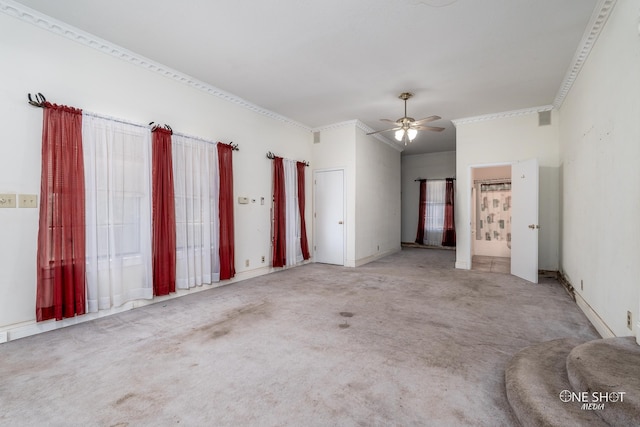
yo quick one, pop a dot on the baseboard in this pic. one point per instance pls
(593, 317)
(374, 257)
(566, 285)
(28, 328)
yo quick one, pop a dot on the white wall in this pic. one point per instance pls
(378, 190)
(600, 159)
(428, 166)
(507, 140)
(337, 150)
(35, 60)
(372, 182)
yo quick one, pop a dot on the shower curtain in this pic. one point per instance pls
(493, 220)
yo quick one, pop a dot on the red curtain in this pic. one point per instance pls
(422, 210)
(227, 236)
(61, 233)
(279, 232)
(449, 232)
(163, 215)
(301, 202)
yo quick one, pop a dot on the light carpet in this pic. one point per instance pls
(406, 340)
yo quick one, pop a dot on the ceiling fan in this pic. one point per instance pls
(407, 127)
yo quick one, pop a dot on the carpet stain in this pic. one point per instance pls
(346, 314)
(474, 286)
(344, 325)
(241, 316)
(124, 398)
(464, 420)
(357, 386)
(170, 350)
(438, 324)
(219, 333)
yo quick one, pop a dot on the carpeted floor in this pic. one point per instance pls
(407, 340)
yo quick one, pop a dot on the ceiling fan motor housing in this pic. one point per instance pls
(405, 121)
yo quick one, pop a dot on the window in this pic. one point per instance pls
(117, 159)
(196, 189)
(434, 221)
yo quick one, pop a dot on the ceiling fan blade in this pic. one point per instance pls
(427, 119)
(384, 130)
(434, 128)
(387, 120)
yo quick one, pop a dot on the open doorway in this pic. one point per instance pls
(491, 218)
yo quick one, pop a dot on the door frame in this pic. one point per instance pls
(344, 211)
(470, 207)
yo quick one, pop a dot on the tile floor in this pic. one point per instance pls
(491, 264)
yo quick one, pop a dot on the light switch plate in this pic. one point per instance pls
(7, 200)
(28, 200)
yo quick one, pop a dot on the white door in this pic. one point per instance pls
(524, 220)
(329, 217)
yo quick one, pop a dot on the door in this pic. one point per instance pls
(524, 220)
(329, 216)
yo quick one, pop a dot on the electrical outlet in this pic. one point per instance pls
(246, 263)
(629, 319)
(7, 200)
(28, 200)
(262, 259)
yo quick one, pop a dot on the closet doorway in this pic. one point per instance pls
(329, 216)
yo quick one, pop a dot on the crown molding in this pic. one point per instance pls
(363, 127)
(598, 19)
(502, 115)
(65, 30)
(366, 129)
(600, 15)
(334, 126)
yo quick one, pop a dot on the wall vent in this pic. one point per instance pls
(544, 118)
(316, 137)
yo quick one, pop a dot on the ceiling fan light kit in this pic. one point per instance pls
(409, 133)
(407, 127)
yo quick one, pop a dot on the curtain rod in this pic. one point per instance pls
(433, 179)
(272, 156)
(115, 119)
(39, 101)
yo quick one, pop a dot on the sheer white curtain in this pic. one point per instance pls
(196, 189)
(292, 214)
(117, 164)
(434, 222)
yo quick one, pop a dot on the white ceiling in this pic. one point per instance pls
(328, 61)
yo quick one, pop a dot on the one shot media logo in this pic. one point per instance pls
(592, 401)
